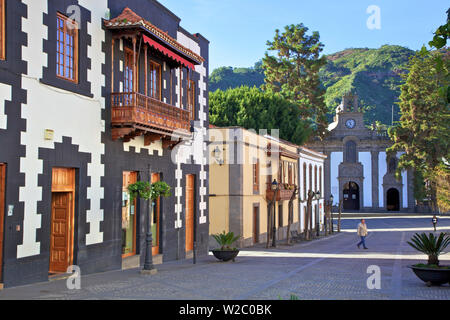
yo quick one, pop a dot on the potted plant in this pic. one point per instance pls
(431, 273)
(147, 191)
(225, 241)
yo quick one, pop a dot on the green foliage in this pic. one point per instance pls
(227, 77)
(430, 245)
(147, 191)
(441, 35)
(225, 240)
(294, 72)
(423, 132)
(443, 187)
(374, 74)
(252, 108)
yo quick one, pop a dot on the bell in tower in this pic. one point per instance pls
(350, 102)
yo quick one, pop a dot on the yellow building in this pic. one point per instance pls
(243, 165)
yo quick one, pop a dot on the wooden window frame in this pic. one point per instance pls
(310, 177)
(304, 181)
(2, 30)
(290, 175)
(320, 181)
(191, 98)
(128, 51)
(256, 177)
(256, 222)
(158, 91)
(315, 179)
(67, 20)
(280, 215)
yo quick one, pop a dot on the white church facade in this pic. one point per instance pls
(358, 171)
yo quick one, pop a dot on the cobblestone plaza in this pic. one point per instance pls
(328, 268)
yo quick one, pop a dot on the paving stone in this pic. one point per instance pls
(327, 268)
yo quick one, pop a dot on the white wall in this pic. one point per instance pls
(366, 159)
(382, 170)
(314, 161)
(138, 144)
(66, 113)
(335, 159)
(405, 184)
(196, 147)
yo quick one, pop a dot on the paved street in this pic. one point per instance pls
(329, 268)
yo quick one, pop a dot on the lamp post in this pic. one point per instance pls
(148, 264)
(149, 268)
(274, 228)
(317, 197)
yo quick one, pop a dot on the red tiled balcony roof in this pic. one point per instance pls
(129, 19)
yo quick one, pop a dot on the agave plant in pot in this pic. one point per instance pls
(225, 241)
(431, 273)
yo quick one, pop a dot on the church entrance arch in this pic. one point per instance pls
(393, 200)
(351, 196)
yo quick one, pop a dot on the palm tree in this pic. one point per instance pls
(430, 245)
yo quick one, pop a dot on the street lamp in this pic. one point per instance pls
(218, 156)
(274, 229)
(317, 197)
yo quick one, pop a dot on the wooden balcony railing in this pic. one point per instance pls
(133, 111)
(282, 194)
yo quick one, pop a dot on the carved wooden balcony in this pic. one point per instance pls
(134, 114)
(282, 194)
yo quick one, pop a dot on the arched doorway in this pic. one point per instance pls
(393, 200)
(351, 196)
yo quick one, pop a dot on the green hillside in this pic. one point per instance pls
(224, 78)
(374, 74)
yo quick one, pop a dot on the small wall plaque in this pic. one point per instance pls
(49, 134)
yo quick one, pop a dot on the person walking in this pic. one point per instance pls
(434, 221)
(362, 232)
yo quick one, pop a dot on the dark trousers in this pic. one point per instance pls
(362, 242)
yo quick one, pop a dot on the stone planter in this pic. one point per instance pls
(432, 276)
(225, 255)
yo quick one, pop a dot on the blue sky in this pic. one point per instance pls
(239, 29)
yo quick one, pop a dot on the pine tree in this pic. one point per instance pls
(424, 129)
(294, 72)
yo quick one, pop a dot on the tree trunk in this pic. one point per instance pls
(270, 217)
(291, 214)
(269, 227)
(433, 259)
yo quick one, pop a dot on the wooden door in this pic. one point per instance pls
(129, 213)
(190, 183)
(62, 219)
(2, 213)
(351, 196)
(156, 219)
(60, 232)
(255, 224)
